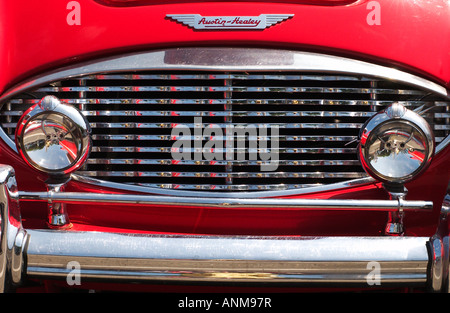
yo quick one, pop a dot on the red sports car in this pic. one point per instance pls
(252, 145)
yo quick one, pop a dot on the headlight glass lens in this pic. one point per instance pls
(396, 145)
(396, 151)
(53, 137)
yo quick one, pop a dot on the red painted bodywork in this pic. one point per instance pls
(414, 36)
(36, 37)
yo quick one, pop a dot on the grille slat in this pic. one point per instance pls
(234, 102)
(230, 114)
(234, 76)
(195, 89)
(224, 125)
(250, 137)
(223, 175)
(317, 117)
(295, 162)
(223, 150)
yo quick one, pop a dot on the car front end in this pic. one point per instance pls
(263, 144)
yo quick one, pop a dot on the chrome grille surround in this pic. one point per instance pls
(319, 103)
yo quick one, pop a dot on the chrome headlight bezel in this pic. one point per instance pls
(411, 161)
(62, 141)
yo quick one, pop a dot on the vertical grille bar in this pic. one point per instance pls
(229, 141)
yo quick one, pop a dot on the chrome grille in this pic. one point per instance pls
(318, 117)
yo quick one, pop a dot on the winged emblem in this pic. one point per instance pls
(198, 21)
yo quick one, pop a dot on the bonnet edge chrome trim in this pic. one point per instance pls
(209, 194)
(230, 59)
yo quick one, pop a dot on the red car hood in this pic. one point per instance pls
(36, 37)
(124, 3)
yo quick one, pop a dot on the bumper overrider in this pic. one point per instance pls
(99, 256)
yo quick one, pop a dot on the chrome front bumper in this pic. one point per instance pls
(112, 257)
(223, 259)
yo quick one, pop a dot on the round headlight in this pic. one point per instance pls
(53, 137)
(396, 145)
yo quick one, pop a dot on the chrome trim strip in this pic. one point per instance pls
(170, 125)
(233, 89)
(223, 125)
(224, 174)
(312, 138)
(120, 137)
(227, 113)
(234, 102)
(112, 256)
(218, 113)
(297, 162)
(244, 195)
(172, 77)
(230, 59)
(224, 150)
(225, 202)
(228, 188)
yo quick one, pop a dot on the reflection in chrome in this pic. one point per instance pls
(223, 125)
(225, 202)
(32, 253)
(53, 137)
(223, 150)
(237, 191)
(58, 218)
(246, 101)
(288, 260)
(396, 145)
(223, 175)
(35, 253)
(133, 101)
(231, 89)
(13, 237)
(315, 162)
(394, 225)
